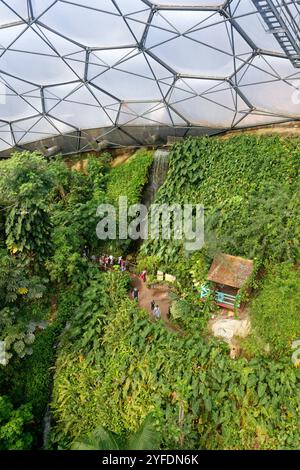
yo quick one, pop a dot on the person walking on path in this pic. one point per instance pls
(143, 276)
(85, 252)
(152, 305)
(123, 268)
(157, 313)
(135, 294)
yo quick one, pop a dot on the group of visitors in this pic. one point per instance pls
(106, 261)
(109, 261)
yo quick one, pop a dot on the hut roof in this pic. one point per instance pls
(230, 270)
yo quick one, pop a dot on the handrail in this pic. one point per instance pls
(220, 297)
(282, 25)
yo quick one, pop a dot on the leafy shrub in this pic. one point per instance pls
(74, 223)
(25, 186)
(275, 311)
(41, 196)
(30, 380)
(104, 290)
(145, 438)
(130, 178)
(149, 263)
(21, 297)
(191, 386)
(16, 285)
(14, 434)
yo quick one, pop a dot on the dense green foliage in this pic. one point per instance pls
(250, 188)
(74, 220)
(191, 386)
(74, 216)
(48, 217)
(29, 380)
(25, 183)
(275, 310)
(69, 325)
(13, 423)
(20, 295)
(145, 438)
(129, 179)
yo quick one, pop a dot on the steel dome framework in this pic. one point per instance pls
(78, 73)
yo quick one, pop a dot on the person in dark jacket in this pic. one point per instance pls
(135, 294)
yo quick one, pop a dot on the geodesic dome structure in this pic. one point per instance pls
(77, 73)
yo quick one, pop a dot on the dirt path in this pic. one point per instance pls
(160, 294)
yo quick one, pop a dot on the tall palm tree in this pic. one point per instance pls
(145, 438)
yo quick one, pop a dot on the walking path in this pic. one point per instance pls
(158, 293)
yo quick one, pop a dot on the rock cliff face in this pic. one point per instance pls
(229, 330)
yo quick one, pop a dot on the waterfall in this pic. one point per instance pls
(157, 176)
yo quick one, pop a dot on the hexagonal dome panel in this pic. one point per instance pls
(132, 72)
